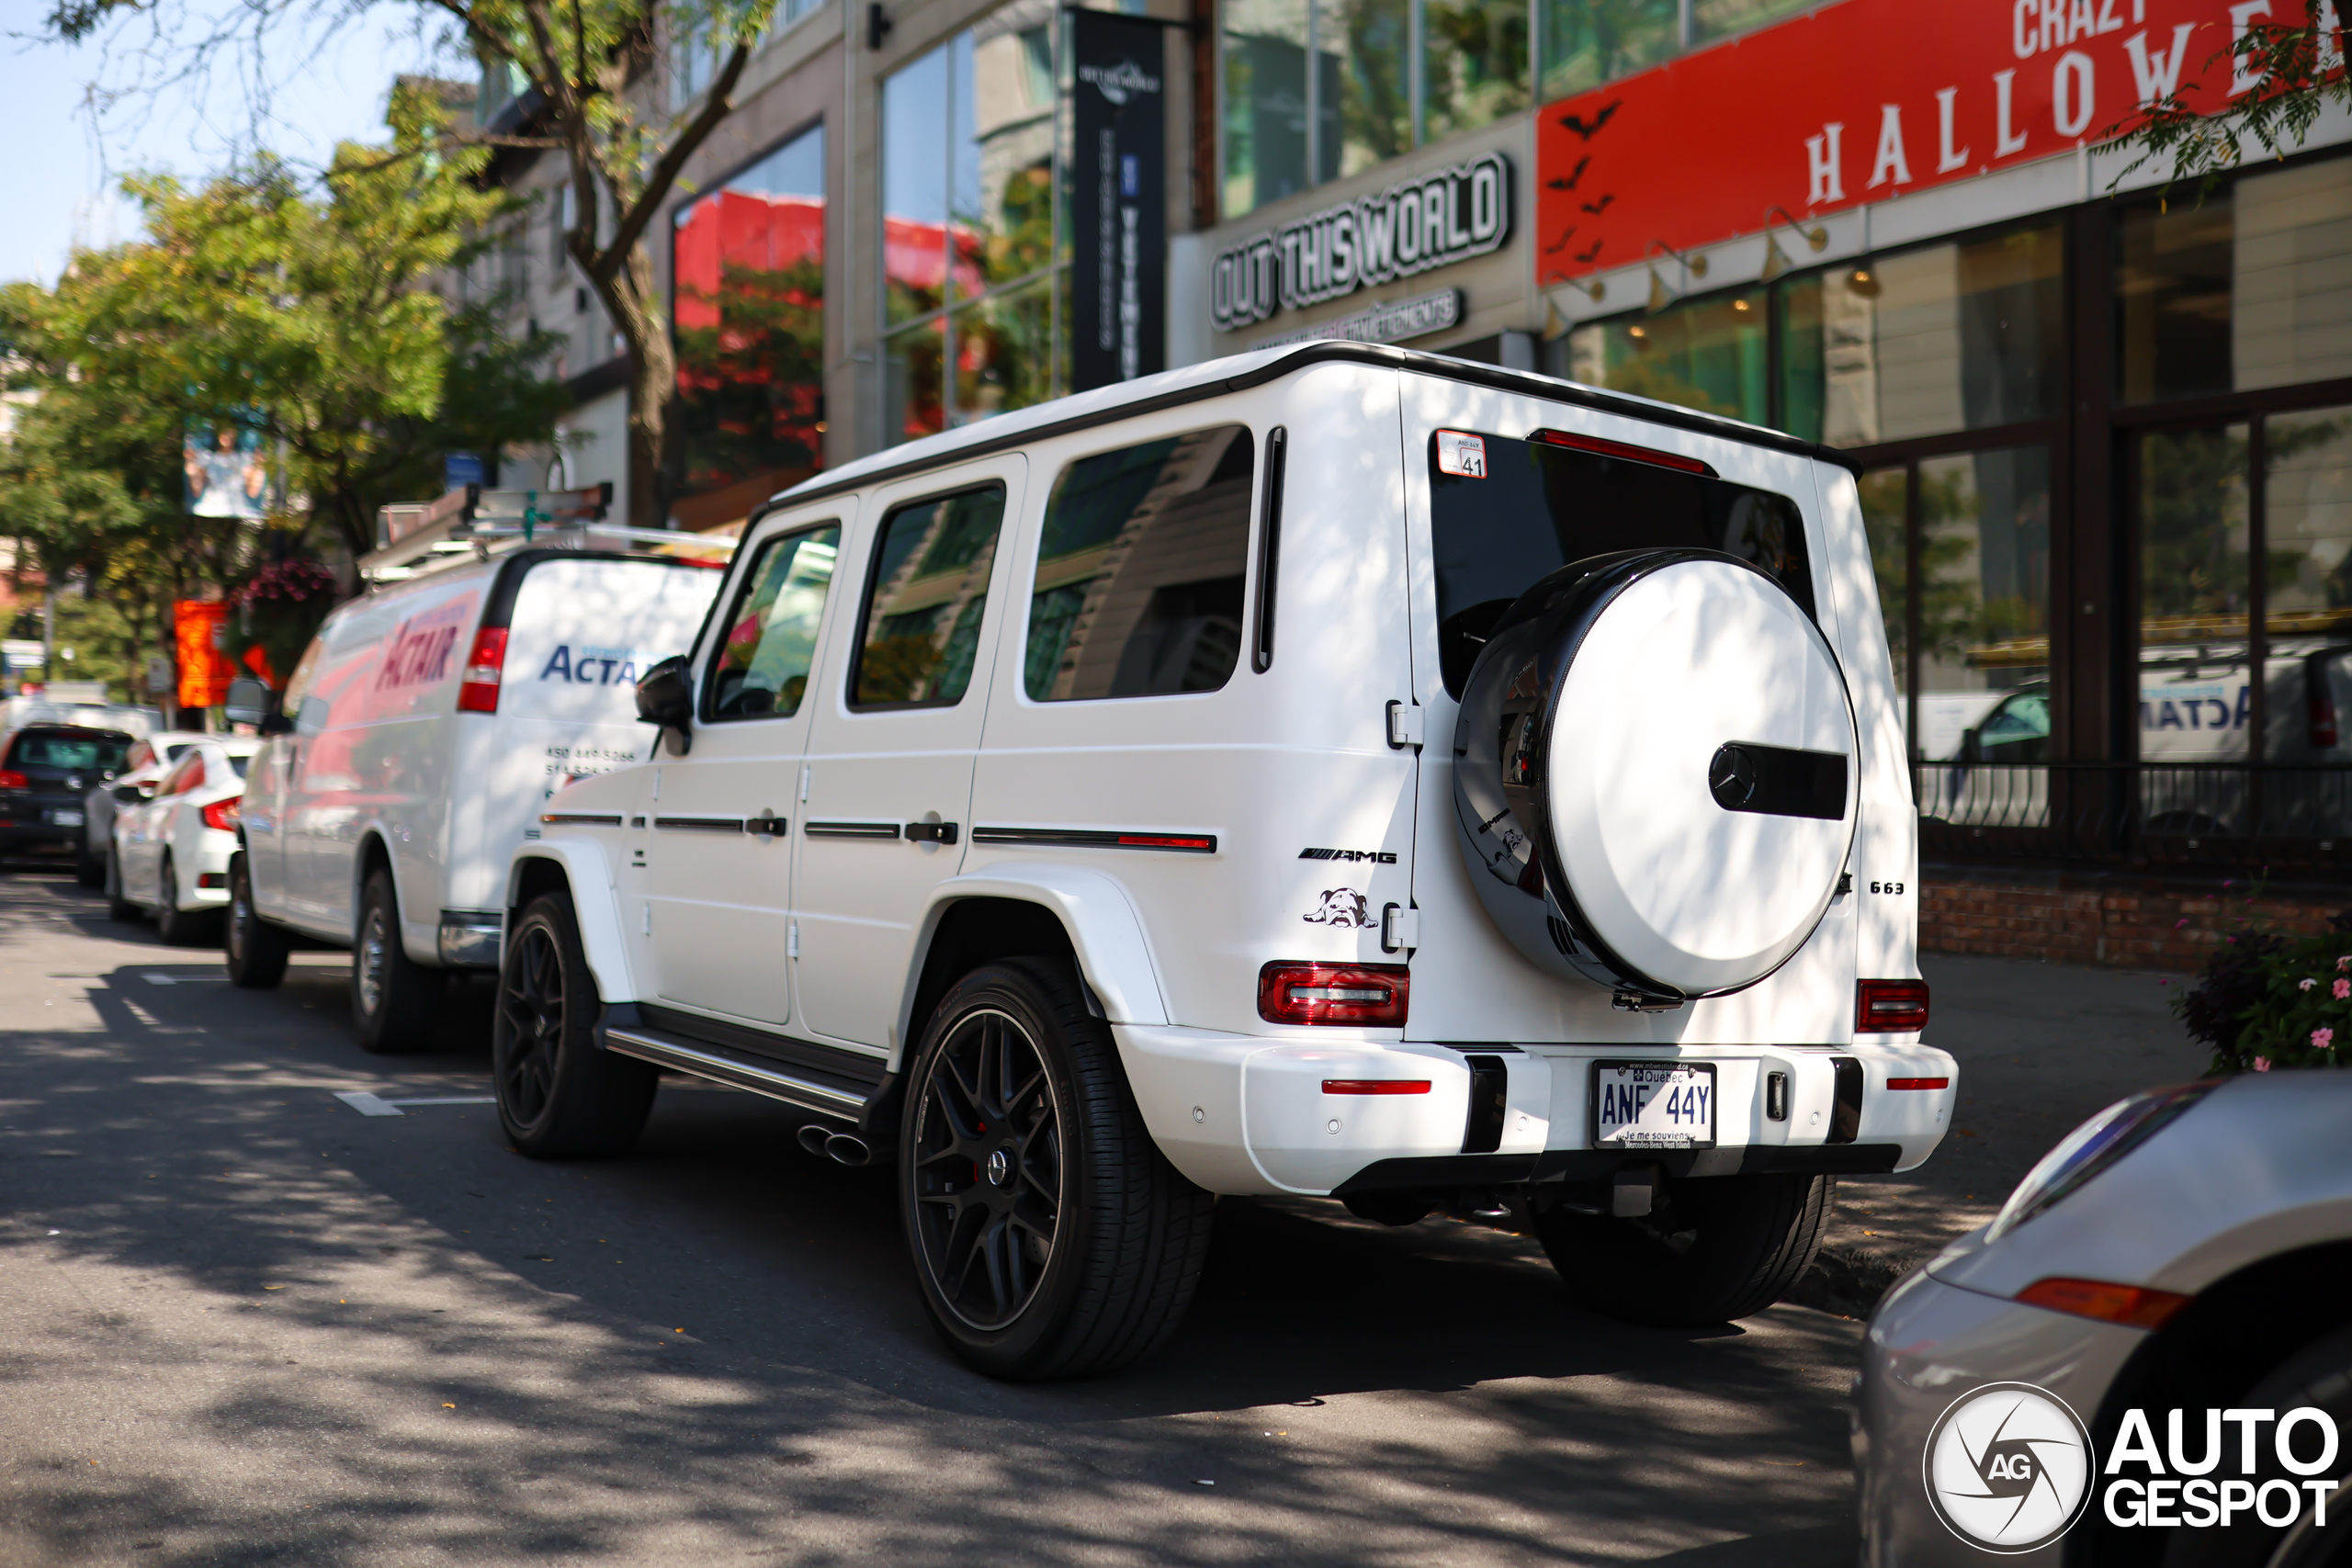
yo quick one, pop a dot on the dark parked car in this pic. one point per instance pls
(45, 769)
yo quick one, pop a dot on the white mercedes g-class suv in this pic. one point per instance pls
(1330, 770)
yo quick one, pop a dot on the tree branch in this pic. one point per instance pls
(717, 106)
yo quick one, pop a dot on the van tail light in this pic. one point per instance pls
(2322, 717)
(1358, 994)
(1891, 1007)
(11, 779)
(478, 686)
(2134, 1307)
(222, 814)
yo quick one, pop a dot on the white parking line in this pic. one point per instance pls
(369, 1104)
(154, 979)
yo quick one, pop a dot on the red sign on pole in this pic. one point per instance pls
(197, 626)
(1858, 102)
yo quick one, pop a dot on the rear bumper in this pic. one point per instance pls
(472, 939)
(1243, 1115)
(20, 834)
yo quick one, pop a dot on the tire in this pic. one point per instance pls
(118, 907)
(90, 871)
(2319, 1376)
(559, 1096)
(1051, 1238)
(178, 926)
(254, 949)
(393, 997)
(1718, 1249)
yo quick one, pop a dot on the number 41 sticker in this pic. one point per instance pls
(1460, 455)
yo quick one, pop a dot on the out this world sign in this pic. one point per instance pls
(1432, 221)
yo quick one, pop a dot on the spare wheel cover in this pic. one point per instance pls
(1691, 791)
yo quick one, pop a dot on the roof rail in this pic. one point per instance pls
(471, 522)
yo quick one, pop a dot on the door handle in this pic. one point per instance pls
(932, 832)
(767, 824)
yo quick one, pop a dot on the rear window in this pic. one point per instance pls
(240, 765)
(83, 754)
(1539, 507)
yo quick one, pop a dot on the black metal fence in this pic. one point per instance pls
(2284, 818)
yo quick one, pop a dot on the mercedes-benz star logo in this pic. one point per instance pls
(1000, 1166)
(1731, 777)
(2008, 1468)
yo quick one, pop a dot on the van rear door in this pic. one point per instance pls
(580, 630)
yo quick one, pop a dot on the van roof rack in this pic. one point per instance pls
(473, 522)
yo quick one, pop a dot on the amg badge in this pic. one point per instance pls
(1379, 857)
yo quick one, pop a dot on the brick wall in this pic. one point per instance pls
(2120, 923)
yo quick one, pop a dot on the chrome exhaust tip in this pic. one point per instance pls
(812, 1138)
(848, 1150)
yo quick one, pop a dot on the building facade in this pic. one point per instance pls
(2104, 425)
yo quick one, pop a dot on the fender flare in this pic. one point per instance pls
(589, 876)
(1114, 954)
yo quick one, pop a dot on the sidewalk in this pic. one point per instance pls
(2041, 1047)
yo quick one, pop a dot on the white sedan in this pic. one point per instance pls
(151, 758)
(171, 853)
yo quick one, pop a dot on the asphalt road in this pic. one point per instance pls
(241, 1322)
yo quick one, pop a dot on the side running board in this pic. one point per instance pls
(809, 1091)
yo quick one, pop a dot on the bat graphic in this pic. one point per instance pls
(1576, 121)
(1598, 207)
(1572, 176)
(1588, 255)
(1556, 246)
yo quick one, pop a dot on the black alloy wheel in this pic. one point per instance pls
(1051, 1238)
(256, 950)
(560, 1095)
(987, 1170)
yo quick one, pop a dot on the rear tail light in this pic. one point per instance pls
(1891, 1007)
(11, 779)
(1359, 995)
(222, 814)
(2322, 717)
(478, 686)
(1918, 1083)
(2134, 1307)
(1375, 1086)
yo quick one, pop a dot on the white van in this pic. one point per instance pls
(1336, 770)
(421, 733)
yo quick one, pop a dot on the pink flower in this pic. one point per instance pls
(2324, 1039)
(2305, 985)
(2180, 924)
(2343, 989)
(2261, 1064)
(2343, 962)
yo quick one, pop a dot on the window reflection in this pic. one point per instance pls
(1473, 62)
(1885, 510)
(1364, 113)
(1265, 102)
(763, 666)
(2307, 507)
(1588, 42)
(923, 612)
(1984, 614)
(2194, 566)
(1704, 354)
(749, 314)
(1712, 19)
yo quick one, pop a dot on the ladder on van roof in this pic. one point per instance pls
(474, 522)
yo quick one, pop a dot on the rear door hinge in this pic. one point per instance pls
(1401, 929)
(1405, 725)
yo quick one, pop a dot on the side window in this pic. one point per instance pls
(924, 601)
(298, 685)
(1140, 570)
(761, 671)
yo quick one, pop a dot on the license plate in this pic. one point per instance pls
(1650, 1105)
(66, 819)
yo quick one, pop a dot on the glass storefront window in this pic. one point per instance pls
(1925, 342)
(2249, 287)
(749, 321)
(2307, 508)
(2194, 535)
(1984, 614)
(1473, 64)
(1365, 105)
(1714, 19)
(972, 229)
(1265, 102)
(1588, 42)
(1703, 353)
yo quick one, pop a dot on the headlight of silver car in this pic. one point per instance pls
(2092, 1147)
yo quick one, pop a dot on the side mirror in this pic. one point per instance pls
(275, 724)
(666, 697)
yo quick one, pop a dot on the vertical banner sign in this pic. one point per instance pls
(1119, 207)
(200, 627)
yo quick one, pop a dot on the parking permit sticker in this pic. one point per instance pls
(1460, 455)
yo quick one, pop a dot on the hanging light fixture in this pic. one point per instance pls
(1864, 280)
(1775, 260)
(1692, 266)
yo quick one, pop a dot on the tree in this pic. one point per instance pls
(574, 63)
(2295, 70)
(312, 323)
